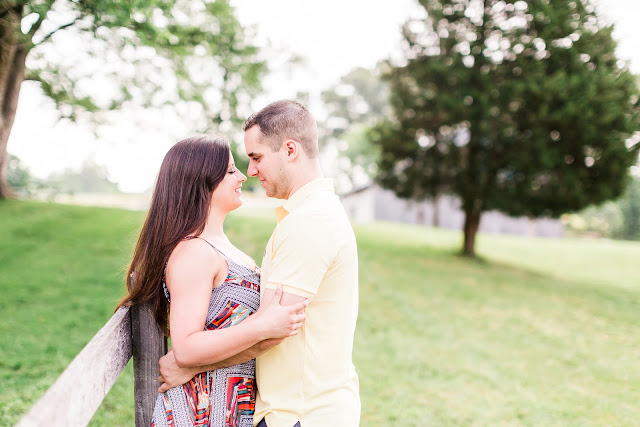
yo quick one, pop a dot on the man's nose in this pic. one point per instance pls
(252, 170)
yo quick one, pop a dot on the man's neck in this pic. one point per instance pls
(304, 180)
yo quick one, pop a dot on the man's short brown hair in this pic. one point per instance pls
(285, 119)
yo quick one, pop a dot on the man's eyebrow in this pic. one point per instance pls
(252, 154)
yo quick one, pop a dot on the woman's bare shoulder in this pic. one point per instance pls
(194, 257)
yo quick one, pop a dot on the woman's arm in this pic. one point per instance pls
(192, 271)
(171, 375)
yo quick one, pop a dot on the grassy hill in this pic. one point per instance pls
(537, 332)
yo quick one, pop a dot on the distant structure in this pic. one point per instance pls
(372, 203)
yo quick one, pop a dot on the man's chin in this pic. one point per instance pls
(275, 196)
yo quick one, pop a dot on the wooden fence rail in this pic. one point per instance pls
(77, 393)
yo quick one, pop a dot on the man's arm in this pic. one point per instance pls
(172, 376)
(286, 298)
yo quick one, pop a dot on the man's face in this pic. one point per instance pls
(268, 165)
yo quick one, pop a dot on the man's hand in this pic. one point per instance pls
(171, 375)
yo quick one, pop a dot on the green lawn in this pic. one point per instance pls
(537, 332)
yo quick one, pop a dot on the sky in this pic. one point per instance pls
(334, 37)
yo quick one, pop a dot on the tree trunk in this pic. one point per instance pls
(533, 225)
(13, 54)
(471, 224)
(436, 211)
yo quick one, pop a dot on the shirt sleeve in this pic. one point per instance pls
(302, 252)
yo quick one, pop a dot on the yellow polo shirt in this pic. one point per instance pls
(312, 253)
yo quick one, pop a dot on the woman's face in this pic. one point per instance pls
(227, 194)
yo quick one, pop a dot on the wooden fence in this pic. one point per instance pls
(77, 393)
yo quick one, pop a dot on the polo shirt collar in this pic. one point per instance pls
(298, 198)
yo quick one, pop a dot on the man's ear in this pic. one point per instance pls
(293, 149)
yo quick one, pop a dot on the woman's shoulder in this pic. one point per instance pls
(195, 256)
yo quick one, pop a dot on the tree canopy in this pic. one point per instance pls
(519, 106)
(190, 55)
(356, 102)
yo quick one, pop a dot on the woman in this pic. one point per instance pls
(184, 262)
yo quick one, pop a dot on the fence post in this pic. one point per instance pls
(77, 393)
(148, 345)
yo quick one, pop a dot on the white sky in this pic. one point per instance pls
(334, 36)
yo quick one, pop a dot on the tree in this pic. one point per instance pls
(630, 208)
(519, 106)
(355, 103)
(617, 219)
(191, 54)
(604, 220)
(18, 174)
(89, 178)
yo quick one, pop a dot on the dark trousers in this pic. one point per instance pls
(263, 423)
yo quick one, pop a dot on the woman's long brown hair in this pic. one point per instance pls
(190, 171)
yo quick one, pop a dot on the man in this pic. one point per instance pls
(309, 379)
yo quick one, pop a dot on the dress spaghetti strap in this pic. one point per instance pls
(229, 260)
(208, 243)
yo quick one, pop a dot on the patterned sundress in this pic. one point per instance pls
(226, 396)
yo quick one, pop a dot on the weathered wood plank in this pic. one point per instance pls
(148, 345)
(77, 393)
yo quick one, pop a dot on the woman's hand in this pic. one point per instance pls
(278, 321)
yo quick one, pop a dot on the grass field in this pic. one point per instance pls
(536, 332)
